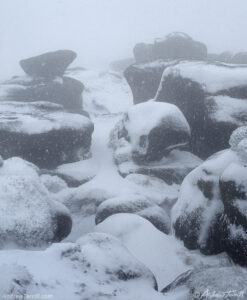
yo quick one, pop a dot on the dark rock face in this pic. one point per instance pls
(207, 283)
(144, 79)
(49, 64)
(135, 204)
(55, 136)
(175, 46)
(213, 109)
(210, 214)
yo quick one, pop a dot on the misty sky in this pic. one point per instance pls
(104, 30)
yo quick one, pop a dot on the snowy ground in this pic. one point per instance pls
(106, 97)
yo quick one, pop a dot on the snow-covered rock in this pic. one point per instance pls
(212, 96)
(135, 204)
(198, 214)
(29, 216)
(64, 91)
(210, 213)
(98, 266)
(49, 64)
(43, 133)
(165, 130)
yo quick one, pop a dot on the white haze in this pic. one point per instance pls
(104, 30)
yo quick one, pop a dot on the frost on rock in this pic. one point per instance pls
(150, 140)
(29, 217)
(135, 204)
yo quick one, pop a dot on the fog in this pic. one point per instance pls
(104, 30)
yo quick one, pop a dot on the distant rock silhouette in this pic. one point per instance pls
(49, 64)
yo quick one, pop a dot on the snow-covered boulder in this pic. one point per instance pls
(65, 91)
(198, 214)
(97, 266)
(212, 96)
(210, 213)
(150, 140)
(49, 64)
(29, 216)
(43, 133)
(209, 283)
(135, 204)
